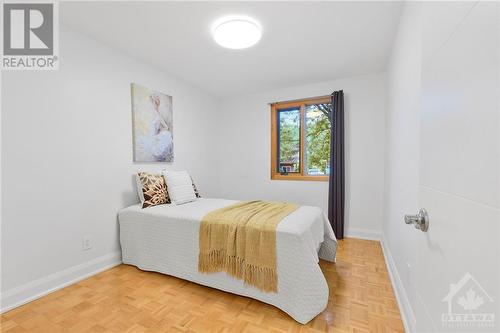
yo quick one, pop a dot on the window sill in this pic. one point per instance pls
(299, 177)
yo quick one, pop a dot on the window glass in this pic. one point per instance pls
(289, 140)
(317, 139)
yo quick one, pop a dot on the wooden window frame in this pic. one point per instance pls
(275, 107)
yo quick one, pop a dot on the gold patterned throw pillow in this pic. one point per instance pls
(154, 189)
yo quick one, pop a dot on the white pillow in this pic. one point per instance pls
(179, 186)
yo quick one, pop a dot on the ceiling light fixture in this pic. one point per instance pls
(236, 32)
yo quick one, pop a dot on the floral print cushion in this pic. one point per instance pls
(154, 189)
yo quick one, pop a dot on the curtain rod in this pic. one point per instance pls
(299, 99)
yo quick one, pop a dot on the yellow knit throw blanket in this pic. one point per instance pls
(240, 240)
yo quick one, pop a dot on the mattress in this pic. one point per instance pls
(164, 239)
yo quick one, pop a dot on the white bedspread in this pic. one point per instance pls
(165, 239)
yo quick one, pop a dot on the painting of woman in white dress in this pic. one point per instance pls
(153, 125)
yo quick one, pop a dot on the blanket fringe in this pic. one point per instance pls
(264, 278)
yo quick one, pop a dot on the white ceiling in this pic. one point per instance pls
(302, 42)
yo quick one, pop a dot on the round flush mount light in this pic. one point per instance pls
(236, 32)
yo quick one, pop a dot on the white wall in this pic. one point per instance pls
(67, 160)
(402, 150)
(244, 143)
(1, 191)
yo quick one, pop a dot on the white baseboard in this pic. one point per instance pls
(405, 308)
(33, 290)
(362, 233)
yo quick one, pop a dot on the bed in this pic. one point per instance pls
(164, 239)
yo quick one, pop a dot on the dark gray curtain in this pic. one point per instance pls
(336, 197)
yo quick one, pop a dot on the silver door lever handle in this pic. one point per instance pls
(420, 221)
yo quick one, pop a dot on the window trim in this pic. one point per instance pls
(275, 175)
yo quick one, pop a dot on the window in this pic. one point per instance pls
(300, 134)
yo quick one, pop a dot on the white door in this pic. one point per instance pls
(459, 169)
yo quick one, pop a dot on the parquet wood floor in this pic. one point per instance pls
(126, 299)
